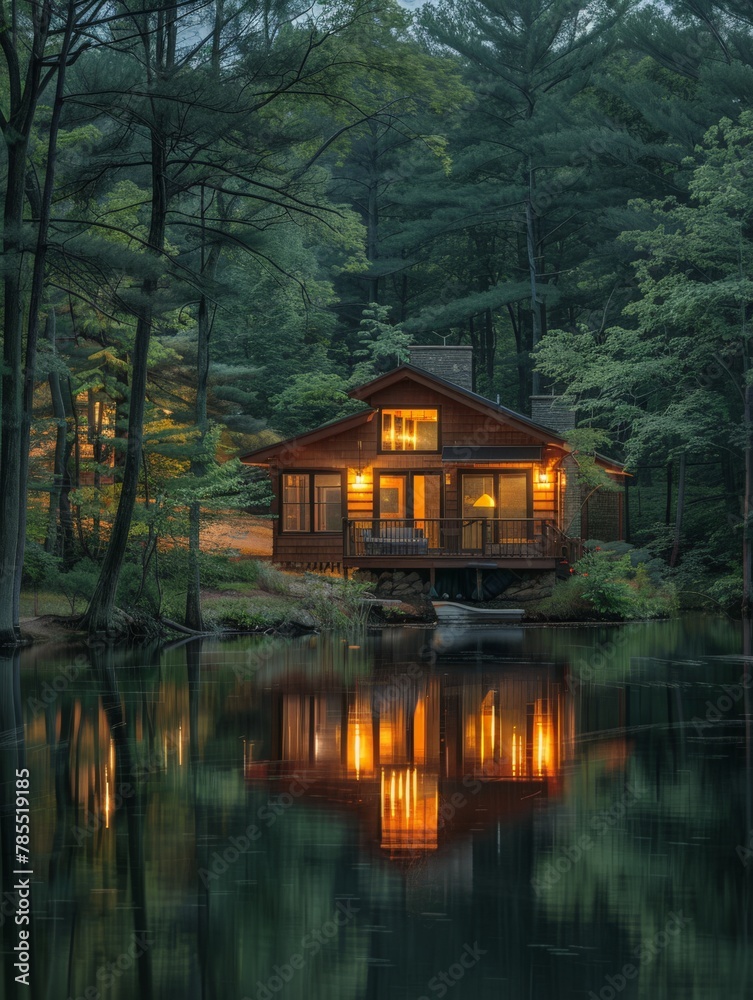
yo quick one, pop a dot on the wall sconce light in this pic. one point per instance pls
(359, 479)
(543, 476)
(359, 470)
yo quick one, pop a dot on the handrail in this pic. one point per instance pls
(483, 536)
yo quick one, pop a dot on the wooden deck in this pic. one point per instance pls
(482, 543)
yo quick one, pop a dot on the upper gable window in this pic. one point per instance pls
(410, 429)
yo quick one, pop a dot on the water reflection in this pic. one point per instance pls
(537, 813)
(408, 746)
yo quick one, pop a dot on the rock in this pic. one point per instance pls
(303, 618)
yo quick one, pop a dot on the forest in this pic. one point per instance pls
(220, 215)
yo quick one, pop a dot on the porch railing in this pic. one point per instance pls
(479, 537)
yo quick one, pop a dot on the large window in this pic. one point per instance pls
(410, 430)
(311, 501)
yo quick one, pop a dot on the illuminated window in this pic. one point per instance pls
(410, 430)
(311, 501)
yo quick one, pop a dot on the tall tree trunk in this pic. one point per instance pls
(680, 511)
(198, 466)
(12, 383)
(98, 617)
(489, 349)
(372, 215)
(35, 305)
(52, 542)
(514, 315)
(532, 246)
(747, 604)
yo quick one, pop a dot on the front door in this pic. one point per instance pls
(501, 498)
(412, 496)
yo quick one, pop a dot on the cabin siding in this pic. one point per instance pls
(356, 450)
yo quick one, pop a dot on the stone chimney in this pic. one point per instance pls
(453, 364)
(552, 413)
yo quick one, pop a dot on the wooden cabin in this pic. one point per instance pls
(432, 475)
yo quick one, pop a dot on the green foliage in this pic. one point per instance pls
(77, 583)
(336, 603)
(136, 592)
(383, 345)
(43, 570)
(613, 582)
(247, 615)
(39, 566)
(310, 400)
(606, 587)
(272, 580)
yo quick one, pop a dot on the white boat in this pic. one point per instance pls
(450, 613)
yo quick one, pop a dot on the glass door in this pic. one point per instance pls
(512, 495)
(479, 504)
(503, 498)
(413, 498)
(426, 505)
(393, 495)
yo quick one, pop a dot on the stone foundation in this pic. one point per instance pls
(396, 584)
(531, 585)
(534, 585)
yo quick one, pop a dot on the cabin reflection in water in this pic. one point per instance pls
(422, 758)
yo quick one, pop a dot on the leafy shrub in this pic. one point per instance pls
(334, 602)
(132, 595)
(216, 568)
(611, 583)
(606, 587)
(77, 583)
(272, 580)
(236, 613)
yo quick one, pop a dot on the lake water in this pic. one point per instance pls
(521, 813)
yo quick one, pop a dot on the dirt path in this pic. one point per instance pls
(247, 535)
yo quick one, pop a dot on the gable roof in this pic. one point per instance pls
(422, 377)
(472, 399)
(261, 455)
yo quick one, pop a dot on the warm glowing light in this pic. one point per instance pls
(360, 740)
(488, 719)
(540, 738)
(543, 476)
(107, 799)
(410, 820)
(485, 500)
(544, 737)
(419, 733)
(515, 751)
